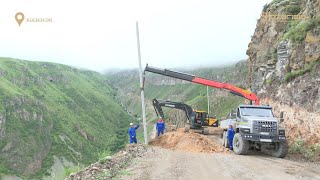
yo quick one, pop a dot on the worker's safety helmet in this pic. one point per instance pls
(131, 124)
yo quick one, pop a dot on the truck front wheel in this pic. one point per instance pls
(281, 149)
(240, 146)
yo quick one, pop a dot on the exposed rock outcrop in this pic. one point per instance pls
(284, 65)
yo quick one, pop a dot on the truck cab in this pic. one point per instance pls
(258, 123)
(256, 127)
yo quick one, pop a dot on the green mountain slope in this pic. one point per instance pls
(161, 87)
(50, 110)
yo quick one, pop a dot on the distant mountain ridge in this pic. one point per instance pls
(55, 113)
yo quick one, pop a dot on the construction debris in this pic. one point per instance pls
(110, 166)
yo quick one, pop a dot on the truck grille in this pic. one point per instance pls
(264, 126)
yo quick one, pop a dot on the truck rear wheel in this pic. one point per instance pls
(281, 149)
(240, 146)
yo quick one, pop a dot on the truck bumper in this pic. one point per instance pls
(263, 138)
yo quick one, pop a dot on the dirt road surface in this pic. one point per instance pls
(176, 162)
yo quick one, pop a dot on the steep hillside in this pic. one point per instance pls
(52, 114)
(161, 87)
(284, 65)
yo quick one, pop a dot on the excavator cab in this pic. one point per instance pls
(200, 117)
(203, 119)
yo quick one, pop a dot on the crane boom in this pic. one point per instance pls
(192, 78)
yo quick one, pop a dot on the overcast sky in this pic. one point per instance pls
(100, 35)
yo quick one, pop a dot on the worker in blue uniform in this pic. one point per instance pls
(132, 133)
(230, 136)
(160, 126)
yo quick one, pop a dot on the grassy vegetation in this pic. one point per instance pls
(310, 152)
(297, 31)
(56, 110)
(307, 68)
(276, 1)
(70, 170)
(150, 126)
(293, 9)
(268, 81)
(265, 7)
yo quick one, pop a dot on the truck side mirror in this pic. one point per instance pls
(281, 116)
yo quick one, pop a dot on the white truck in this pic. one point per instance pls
(257, 128)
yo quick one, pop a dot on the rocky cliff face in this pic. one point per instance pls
(284, 67)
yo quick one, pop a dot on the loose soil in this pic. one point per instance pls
(188, 142)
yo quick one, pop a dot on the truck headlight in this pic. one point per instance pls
(282, 132)
(247, 131)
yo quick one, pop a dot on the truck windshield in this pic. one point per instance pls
(259, 112)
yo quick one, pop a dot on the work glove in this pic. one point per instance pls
(132, 136)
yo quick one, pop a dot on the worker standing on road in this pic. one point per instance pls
(160, 126)
(230, 136)
(132, 133)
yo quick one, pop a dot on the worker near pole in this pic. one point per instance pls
(160, 126)
(230, 136)
(132, 133)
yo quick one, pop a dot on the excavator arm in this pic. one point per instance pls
(157, 108)
(157, 104)
(192, 78)
(196, 119)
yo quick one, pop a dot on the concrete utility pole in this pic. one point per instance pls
(208, 100)
(142, 89)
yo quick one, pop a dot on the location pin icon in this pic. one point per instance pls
(19, 17)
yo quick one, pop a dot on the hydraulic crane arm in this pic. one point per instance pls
(192, 78)
(157, 104)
